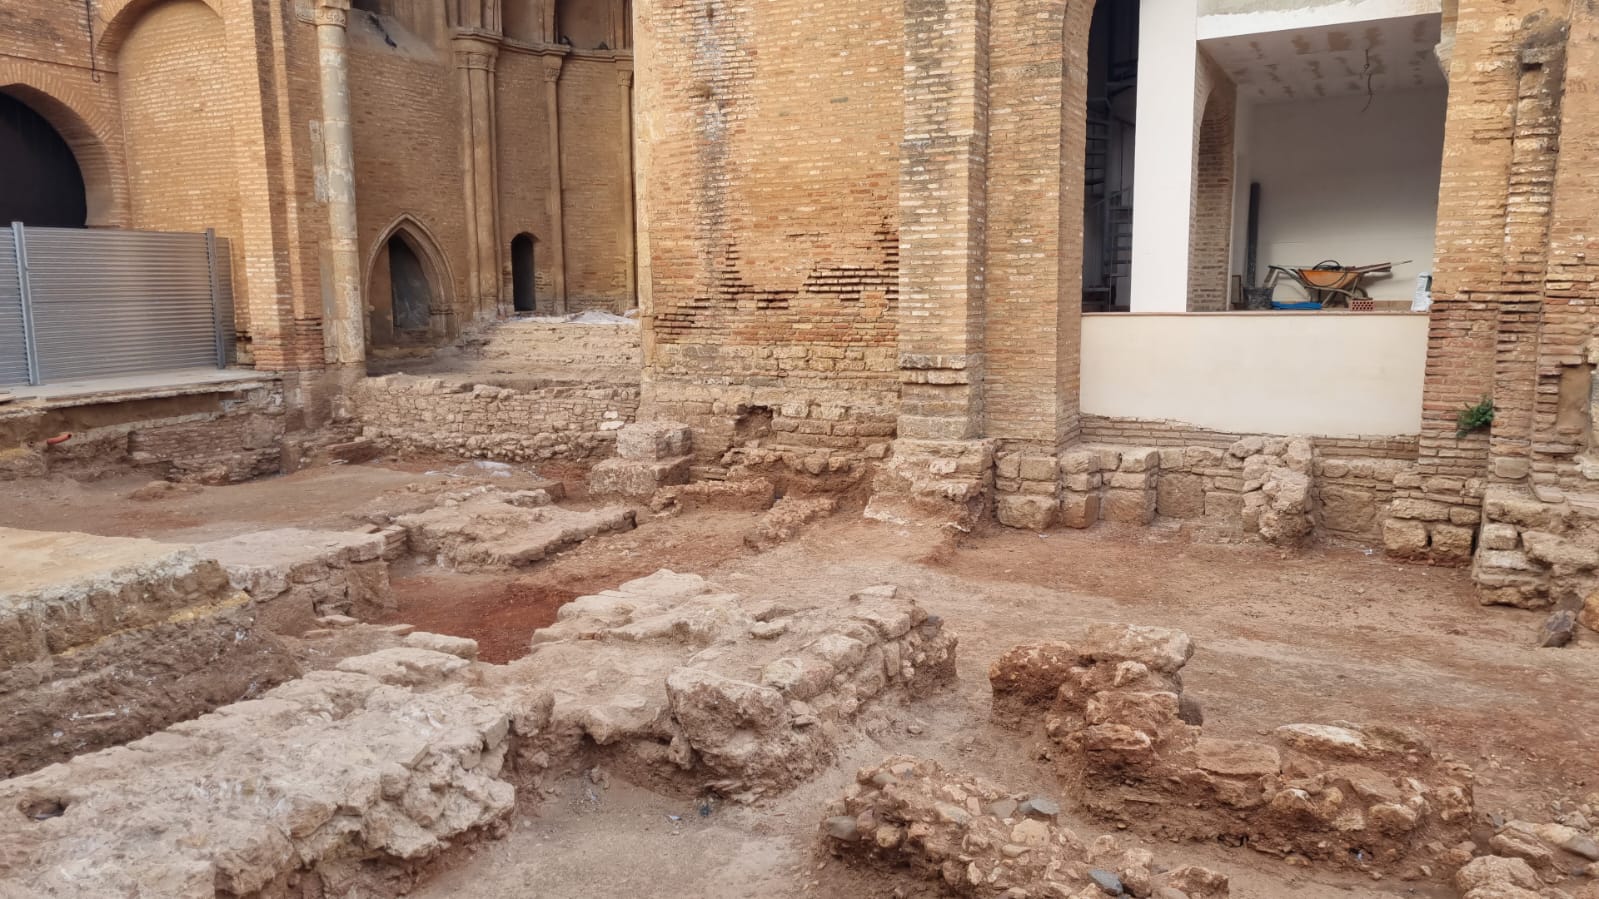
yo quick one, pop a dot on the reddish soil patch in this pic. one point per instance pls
(501, 616)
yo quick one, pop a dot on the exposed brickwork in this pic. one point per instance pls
(1210, 231)
(772, 209)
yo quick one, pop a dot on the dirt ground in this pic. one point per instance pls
(1322, 636)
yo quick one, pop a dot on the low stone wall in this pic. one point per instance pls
(1536, 553)
(1278, 488)
(479, 421)
(104, 640)
(295, 576)
(213, 434)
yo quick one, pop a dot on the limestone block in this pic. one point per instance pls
(1180, 495)
(1589, 616)
(1083, 483)
(1500, 537)
(1027, 512)
(1079, 510)
(1349, 510)
(1039, 468)
(1079, 462)
(1553, 550)
(1131, 480)
(1129, 506)
(1451, 543)
(1404, 538)
(1418, 510)
(653, 441)
(635, 478)
(1142, 459)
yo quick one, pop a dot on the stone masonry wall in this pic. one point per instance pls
(480, 421)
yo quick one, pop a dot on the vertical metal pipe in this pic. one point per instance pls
(30, 346)
(217, 324)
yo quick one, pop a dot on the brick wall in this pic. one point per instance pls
(594, 183)
(772, 211)
(1210, 234)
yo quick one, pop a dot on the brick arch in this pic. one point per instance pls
(88, 128)
(117, 18)
(1211, 213)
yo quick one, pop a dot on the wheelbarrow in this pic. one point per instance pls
(1330, 284)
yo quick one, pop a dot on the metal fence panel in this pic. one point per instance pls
(119, 302)
(13, 344)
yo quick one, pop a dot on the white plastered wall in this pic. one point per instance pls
(1316, 374)
(1345, 182)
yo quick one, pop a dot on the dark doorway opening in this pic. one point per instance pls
(523, 290)
(409, 289)
(42, 184)
(1108, 162)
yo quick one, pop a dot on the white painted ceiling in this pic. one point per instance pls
(1332, 60)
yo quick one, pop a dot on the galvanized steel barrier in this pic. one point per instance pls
(78, 304)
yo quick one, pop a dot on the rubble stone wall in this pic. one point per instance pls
(480, 421)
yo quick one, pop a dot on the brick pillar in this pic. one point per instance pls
(476, 53)
(1038, 134)
(941, 466)
(943, 209)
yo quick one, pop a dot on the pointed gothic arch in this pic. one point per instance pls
(409, 287)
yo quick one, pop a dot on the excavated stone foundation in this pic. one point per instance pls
(981, 840)
(1117, 728)
(104, 640)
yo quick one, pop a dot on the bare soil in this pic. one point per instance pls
(1325, 635)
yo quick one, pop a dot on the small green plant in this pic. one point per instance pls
(1475, 418)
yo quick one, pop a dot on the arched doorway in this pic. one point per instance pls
(408, 290)
(43, 185)
(523, 290)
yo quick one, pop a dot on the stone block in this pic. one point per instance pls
(1180, 495)
(1418, 510)
(1130, 480)
(654, 441)
(1030, 513)
(1079, 462)
(1129, 506)
(633, 478)
(1500, 536)
(1558, 551)
(1141, 459)
(1009, 465)
(1079, 510)
(1083, 483)
(1039, 468)
(1348, 510)
(1589, 616)
(1404, 538)
(1451, 543)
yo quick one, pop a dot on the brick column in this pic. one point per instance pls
(475, 55)
(943, 210)
(941, 467)
(347, 311)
